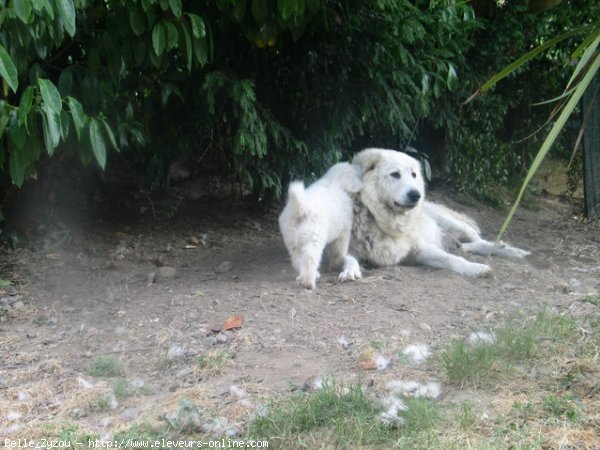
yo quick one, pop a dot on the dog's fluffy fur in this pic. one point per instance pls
(321, 216)
(394, 224)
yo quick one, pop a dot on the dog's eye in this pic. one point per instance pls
(414, 175)
(395, 175)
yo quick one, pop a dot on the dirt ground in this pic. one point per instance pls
(149, 294)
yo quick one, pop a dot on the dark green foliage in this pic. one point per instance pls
(257, 91)
(490, 141)
(260, 91)
(83, 70)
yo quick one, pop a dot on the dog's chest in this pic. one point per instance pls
(372, 244)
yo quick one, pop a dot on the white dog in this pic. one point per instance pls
(393, 223)
(320, 216)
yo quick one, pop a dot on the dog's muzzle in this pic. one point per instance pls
(410, 201)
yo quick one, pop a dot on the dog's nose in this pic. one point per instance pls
(413, 196)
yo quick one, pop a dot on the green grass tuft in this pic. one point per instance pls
(463, 364)
(106, 367)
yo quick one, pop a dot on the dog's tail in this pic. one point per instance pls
(297, 199)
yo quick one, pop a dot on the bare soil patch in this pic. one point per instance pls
(99, 288)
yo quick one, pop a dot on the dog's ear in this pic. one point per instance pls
(367, 159)
(352, 181)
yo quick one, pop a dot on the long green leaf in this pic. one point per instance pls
(175, 7)
(137, 22)
(188, 44)
(585, 43)
(524, 59)
(159, 38)
(286, 8)
(98, 144)
(198, 28)
(585, 57)
(65, 125)
(51, 129)
(23, 10)
(66, 11)
(201, 51)
(8, 71)
(25, 104)
(16, 166)
(47, 7)
(556, 129)
(555, 99)
(109, 133)
(50, 95)
(172, 35)
(452, 80)
(3, 122)
(78, 115)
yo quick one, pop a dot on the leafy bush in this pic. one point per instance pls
(254, 90)
(491, 141)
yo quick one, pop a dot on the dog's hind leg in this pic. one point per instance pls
(433, 256)
(307, 263)
(455, 223)
(483, 247)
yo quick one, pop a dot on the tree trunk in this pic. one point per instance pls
(591, 148)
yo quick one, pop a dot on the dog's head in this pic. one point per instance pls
(391, 178)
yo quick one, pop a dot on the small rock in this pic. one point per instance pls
(18, 304)
(563, 288)
(225, 266)
(481, 337)
(137, 383)
(313, 384)
(184, 372)
(344, 343)
(129, 414)
(233, 431)
(82, 382)
(221, 338)
(75, 413)
(175, 352)
(106, 422)
(112, 400)
(11, 290)
(165, 273)
(216, 426)
(210, 341)
(237, 391)
(52, 321)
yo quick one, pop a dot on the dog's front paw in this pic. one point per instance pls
(476, 270)
(483, 271)
(351, 270)
(349, 274)
(307, 281)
